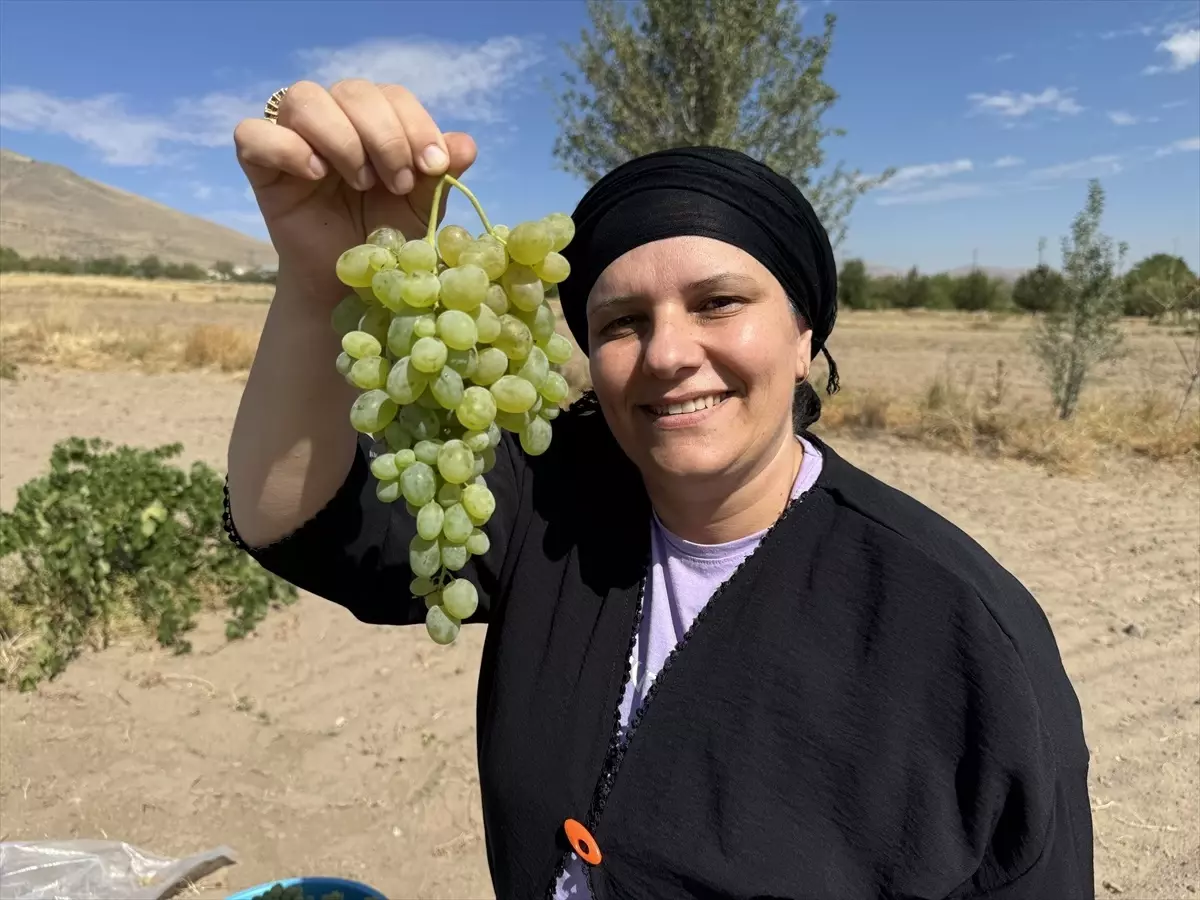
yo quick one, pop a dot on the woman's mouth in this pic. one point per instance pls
(686, 412)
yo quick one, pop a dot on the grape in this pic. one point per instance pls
(404, 459)
(433, 599)
(463, 288)
(442, 627)
(496, 300)
(422, 424)
(454, 556)
(487, 324)
(477, 441)
(491, 365)
(424, 556)
(430, 519)
(354, 267)
(387, 286)
(514, 422)
(513, 394)
(562, 230)
(529, 242)
(457, 329)
(489, 461)
(494, 434)
(387, 237)
(554, 389)
(478, 502)
(417, 256)
(523, 287)
(451, 241)
(370, 373)
(487, 253)
(455, 462)
(375, 322)
(457, 524)
(345, 362)
(347, 313)
(554, 268)
(535, 437)
(478, 543)
(477, 409)
(425, 326)
(372, 412)
(536, 368)
(420, 290)
(422, 586)
(388, 491)
(449, 494)
(395, 435)
(404, 383)
(419, 485)
(360, 345)
(384, 468)
(428, 355)
(400, 334)
(427, 452)
(447, 388)
(549, 413)
(460, 599)
(558, 349)
(543, 326)
(514, 339)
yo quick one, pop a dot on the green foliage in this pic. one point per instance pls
(112, 534)
(854, 285)
(150, 267)
(1161, 284)
(732, 73)
(1071, 339)
(976, 292)
(1039, 290)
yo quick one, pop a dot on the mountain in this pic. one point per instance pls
(48, 210)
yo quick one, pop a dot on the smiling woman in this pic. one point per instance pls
(720, 660)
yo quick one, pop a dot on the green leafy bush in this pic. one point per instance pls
(121, 535)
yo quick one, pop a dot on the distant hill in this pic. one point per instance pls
(48, 210)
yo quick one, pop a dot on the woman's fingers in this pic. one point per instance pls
(310, 111)
(382, 130)
(429, 153)
(461, 151)
(264, 150)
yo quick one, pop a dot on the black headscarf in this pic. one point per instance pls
(706, 192)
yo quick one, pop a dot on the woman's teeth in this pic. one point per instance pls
(688, 406)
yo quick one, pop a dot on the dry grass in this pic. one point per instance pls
(959, 381)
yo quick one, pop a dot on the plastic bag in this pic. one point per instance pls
(97, 870)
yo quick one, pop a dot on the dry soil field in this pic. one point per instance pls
(321, 745)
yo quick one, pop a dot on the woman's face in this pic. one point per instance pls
(694, 354)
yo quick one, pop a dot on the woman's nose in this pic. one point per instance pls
(671, 347)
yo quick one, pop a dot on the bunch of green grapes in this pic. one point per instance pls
(451, 341)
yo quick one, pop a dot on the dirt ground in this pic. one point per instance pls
(324, 746)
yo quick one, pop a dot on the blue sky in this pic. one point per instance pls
(996, 113)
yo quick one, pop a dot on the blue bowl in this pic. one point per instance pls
(351, 890)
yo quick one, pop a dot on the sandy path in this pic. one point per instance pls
(325, 746)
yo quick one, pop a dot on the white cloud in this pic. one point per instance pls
(1007, 162)
(1184, 146)
(1008, 104)
(1174, 104)
(202, 191)
(1092, 167)
(911, 176)
(463, 81)
(1184, 49)
(938, 194)
(1004, 57)
(1134, 31)
(1120, 117)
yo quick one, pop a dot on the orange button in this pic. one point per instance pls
(582, 842)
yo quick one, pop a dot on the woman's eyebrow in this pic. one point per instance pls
(723, 281)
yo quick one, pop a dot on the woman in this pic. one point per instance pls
(720, 660)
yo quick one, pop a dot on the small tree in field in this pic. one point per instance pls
(1071, 339)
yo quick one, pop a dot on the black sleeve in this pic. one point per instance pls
(354, 552)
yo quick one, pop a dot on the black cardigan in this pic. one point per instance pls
(871, 707)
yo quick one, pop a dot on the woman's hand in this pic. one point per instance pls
(340, 163)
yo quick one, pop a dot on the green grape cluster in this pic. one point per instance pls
(451, 340)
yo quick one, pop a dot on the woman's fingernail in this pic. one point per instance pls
(365, 179)
(317, 166)
(434, 158)
(404, 181)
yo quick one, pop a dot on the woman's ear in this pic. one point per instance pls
(803, 348)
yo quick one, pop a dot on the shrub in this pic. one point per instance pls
(122, 535)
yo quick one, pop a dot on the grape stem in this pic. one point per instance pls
(437, 202)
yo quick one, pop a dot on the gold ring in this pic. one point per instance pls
(271, 113)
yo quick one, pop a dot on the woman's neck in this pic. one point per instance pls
(719, 515)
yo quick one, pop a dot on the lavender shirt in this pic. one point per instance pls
(683, 576)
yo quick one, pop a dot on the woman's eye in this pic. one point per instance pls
(720, 304)
(619, 324)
